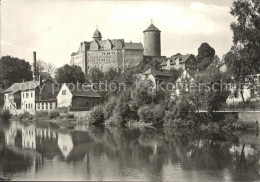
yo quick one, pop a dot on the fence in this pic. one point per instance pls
(243, 107)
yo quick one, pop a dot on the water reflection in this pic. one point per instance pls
(30, 152)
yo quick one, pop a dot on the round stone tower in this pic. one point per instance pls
(97, 35)
(152, 41)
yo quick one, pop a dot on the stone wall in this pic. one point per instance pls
(152, 43)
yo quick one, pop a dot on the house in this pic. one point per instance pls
(12, 98)
(156, 76)
(178, 61)
(31, 96)
(77, 97)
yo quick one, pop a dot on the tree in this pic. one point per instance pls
(205, 55)
(95, 75)
(244, 57)
(148, 62)
(13, 70)
(42, 66)
(50, 68)
(211, 92)
(69, 74)
(111, 74)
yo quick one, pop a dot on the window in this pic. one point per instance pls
(42, 105)
(31, 95)
(63, 92)
(50, 105)
(27, 95)
(87, 103)
(47, 106)
(26, 106)
(39, 106)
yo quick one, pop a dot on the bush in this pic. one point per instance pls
(53, 114)
(179, 123)
(109, 107)
(5, 114)
(41, 114)
(122, 110)
(229, 120)
(151, 114)
(26, 116)
(97, 116)
(69, 116)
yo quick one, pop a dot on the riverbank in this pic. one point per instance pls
(199, 121)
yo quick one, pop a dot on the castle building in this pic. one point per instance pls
(105, 54)
(116, 53)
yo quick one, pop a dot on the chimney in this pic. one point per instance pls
(34, 66)
(40, 79)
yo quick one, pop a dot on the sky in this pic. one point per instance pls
(55, 28)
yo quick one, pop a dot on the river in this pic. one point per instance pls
(47, 152)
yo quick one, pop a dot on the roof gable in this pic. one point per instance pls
(82, 90)
(134, 46)
(23, 86)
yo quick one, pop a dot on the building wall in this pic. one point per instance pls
(91, 55)
(80, 102)
(48, 90)
(80, 57)
(28, 101)
(132, 57)
(64, 97)
(46, 105)
(12, 102)
(191, 63)
(104, 59)
(152, 43)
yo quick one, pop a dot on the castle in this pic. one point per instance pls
(116, 53)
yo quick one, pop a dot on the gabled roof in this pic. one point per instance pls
(114, 43)
(152, 28)
(133, 45)
(23, 86)
(154, 72)
(82, 90)
(182, 59)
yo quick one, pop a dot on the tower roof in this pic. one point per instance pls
(152, 28)
(97, 34)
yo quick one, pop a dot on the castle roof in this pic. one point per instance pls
(152, 28)
(97, 34)
(133, 45)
